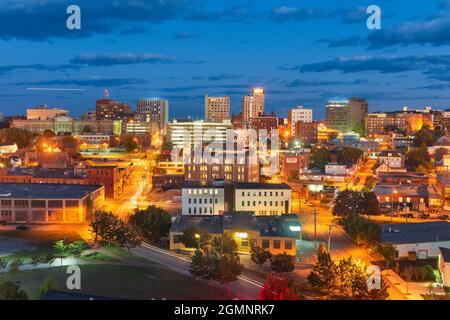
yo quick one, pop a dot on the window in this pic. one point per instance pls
(189, 200)
(72, 203)
(408, 199)
(243, 203)
(400, 199)
(6, 203)
(244, 243)
(190, 210)
(176, 239)
(21, 203)
(288, 244)
(265, 243)
(276, 244)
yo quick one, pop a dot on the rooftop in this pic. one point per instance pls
(445, 252)
(404, 233)
(45, 190)
(256, 185)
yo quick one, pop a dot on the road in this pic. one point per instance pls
(245, 288)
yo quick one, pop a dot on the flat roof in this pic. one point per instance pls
(45, 190)
(404, 233)
(256, 185)
(445, 252)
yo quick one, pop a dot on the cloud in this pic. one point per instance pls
(39, 67)
(285, 13)
(434, 31)
(184, 35)
(89, 82)
(233, 14)
(224, 76)
(319, 83)
(383, 64)
(349, 41)
(110, 59)
(46, 19)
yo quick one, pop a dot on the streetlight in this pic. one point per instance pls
(198, 236)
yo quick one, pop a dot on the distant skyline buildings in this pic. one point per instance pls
(155, 111)
(253, 104)
(217, 108)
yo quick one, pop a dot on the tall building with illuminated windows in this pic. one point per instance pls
(217, 109)
(156, 112)
(253, 105)
(346, 115)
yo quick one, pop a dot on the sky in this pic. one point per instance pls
(303, 52)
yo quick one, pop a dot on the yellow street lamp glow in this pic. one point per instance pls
(242, 235)
(197, 236)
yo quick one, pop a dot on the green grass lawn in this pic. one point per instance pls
(34, 241)
(125, 282)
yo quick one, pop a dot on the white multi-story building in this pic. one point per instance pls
(339, 169)
(188, 130)
(298, 114)
(199, 199)
(393, 159)
(262, 198)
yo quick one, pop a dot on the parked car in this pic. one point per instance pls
(406, 215)
(424, 216)
(22, 227)
(443, 217)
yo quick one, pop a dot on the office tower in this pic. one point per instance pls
(155, 111)
(217, 108)
(298, 114)
(107, 109)
(253, 105)
(346, 115)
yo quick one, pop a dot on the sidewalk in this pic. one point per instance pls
(411, 290)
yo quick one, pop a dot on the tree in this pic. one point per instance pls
(353, 277)
(130, 144)
(127, 237)
(152, 223)
(423, 136)
(3, 263)
(388, 252)
(438, 132)
(48, 285)
(277, 288)
(11, 291)
(48, 259)
(35, 260)
(370, 182)
(347, 203)
(14, 267)
(369, 204)
(21, 137)
(282, 262)
(260, 255)
(192, 238)
(439, 154)
(218, 261)
(349, 155)
(48, 134)
(320, 156)
(99, 223)
(419, 157)
(324, 275)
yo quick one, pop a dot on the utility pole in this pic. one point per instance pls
(315, 228)
(329, 237)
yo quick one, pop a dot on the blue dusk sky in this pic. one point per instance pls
(302, 52)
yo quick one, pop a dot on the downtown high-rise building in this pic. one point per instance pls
(253, 105)
(217, 109)
(155, 112)
(298, 114)
(108, 109)
(346, 115)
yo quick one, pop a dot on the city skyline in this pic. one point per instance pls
(182, 51)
